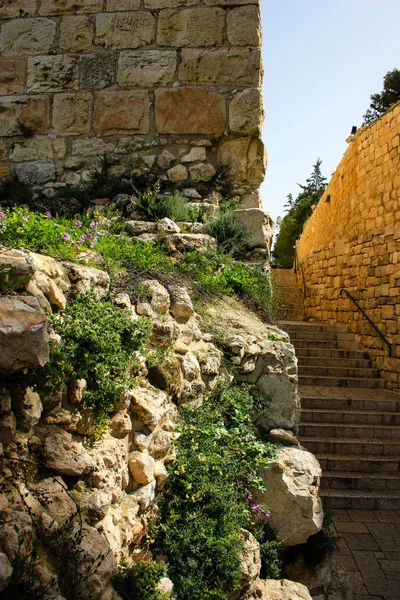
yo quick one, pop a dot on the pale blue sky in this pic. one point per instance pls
(322, 61)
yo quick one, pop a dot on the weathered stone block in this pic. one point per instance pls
(36, 149)
(89, 147)
(201, 172)
(149, 67)
(121, 5)
(63, 7)
(121, 112)
(36, 173)
(52, 73)
(97, 71)
(10, 9)
(71, 113)
(244, 26)
(12, 76)
(230, 2)
(178, 173)
(246, 160)
(222, 66)
(31, 111)
(76, 33)
(190, 110)
(27, 36)
(153, 4)
(246, 112)
(116, 31)
(191, 27)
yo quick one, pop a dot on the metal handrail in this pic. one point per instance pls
(362, 311)
(299, 265)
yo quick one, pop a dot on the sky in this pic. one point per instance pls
(322, 61)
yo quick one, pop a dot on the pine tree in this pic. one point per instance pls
(390, 95)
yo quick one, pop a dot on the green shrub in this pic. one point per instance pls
(154, 206)
(60, 238)
(118, 252)
(97, 345)
(206, 501)
(14, 192)
(232, 238)
(139, 581)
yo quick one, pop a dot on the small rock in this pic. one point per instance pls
(121, 425)
(165, 159)
(187, 242)
(201, 172)
(135, 228)
(167, 375)
(181, 304)
(15, 270)
(64, 455)
(166, 226)
(191, 193)
(160, 473)
(149, 160)
(160, 444)
(250, 556)
(122, 300)
(85, 279)
(77, 391)
(163, 334)
(53, 495)
(196, 153)
(148, 405)
(145, 495)
(28, 409)
(159, 297)
(178, 173)
(271, 589)
(165, 586)
(283, 435)
(142, 467)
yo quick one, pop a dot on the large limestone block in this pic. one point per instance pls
(121, 112)
(281, 589)
(221, 66)
(52, 73)
(10, 9)
(246, 160)
(36, 172)
(153, 4)
(85, 279)
(259, 226)
(149, 67)
(71, 113)
(291, 491)
(34, 112)
(117, 31)
(24, 341)
(190, 110)
(27, 36)
(76, 33)
(63, 7)
(191, 27)
(244, 26)
(97, 71)
(12, 75)
(122, 5)
(246, 112)
(36, 149)
(63, 455)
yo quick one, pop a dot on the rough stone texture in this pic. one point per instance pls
(24, 340)
(175, 114)
(281, 589)
(178, 173)
(97, 71)
(142, 467)
(71, 113)
(84, 279)
(186, 242)
(352, 241)
(122, 5)
(159, 297)
(246, 113)
(53, 495)
(117, 31)
(52, 74)
(62, 7)
(32, 111)
(15, 270)
(76, 34)
(146, 68)
(27, 36)
(190, 27)
(148, 404)
(291, 490)
(121, 112)
(181, 304)
(6, 571)
(12, 76)
(246, 159)
(259, 225)
(244, 26)
(250, 557)
(201, 172)
(222, 66)
(63, 455)
(10, 9)
(36, 172)
(37, 149)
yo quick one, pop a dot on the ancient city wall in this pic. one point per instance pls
(352, 242)
(164, 86)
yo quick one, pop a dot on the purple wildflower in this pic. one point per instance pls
(48, 214)
(56, 224)
(66, 236)
(78, 224)
(93, 224)
(25, 218)
(2, 215)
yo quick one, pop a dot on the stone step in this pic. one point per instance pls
(359, 499)
(311, 326)
(341, 382)
(323, 361)
(349, 480)
(332, 445)
(366, 463)
(346, 404)
(364, 417)
(322, 343)
(329, 370)
(344, 430)
(327, 336)
(329, 352)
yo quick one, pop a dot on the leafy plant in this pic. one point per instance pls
(98, 342)
(389, 96)
(232, 238)
(206, 501)
(154, 206)
(229, 204)
(24, 129)
(139, 581)
(118, 252)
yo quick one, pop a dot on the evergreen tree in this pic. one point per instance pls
(297, 213)
(390, 95)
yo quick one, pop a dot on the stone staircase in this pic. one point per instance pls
(348, 419)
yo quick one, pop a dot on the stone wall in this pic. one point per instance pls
(352, 241)
(164, 86)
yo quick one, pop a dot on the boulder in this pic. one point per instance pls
(166, 226)
(84, 279)
(15, 270)
(110, 473)
(186, 242)
(259, 224)
(181, 304)
(280, 589)
(250, 557)
(135, 228)
(291, 491)
(141, 467)
(163, 334)
(148, 405)
(24, 341)
(63, 455)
